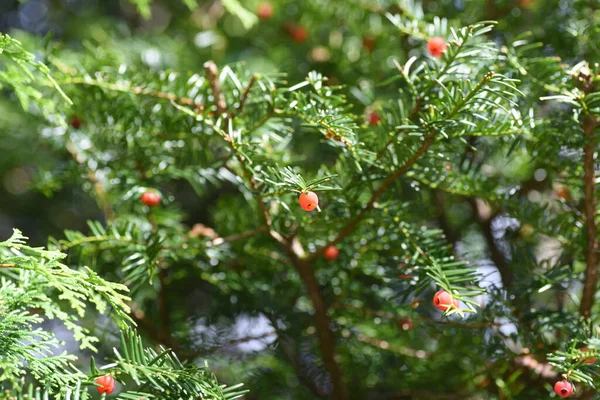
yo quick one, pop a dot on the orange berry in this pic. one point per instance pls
(107, 384)
(76, 122)
(299, 34)
(563, 388)
(150, 198)
(368, 42)
(588, 360)
(331, 253)
(436, 46)
(308, 201)
(442, 300)
(374, 118)
(264, 11)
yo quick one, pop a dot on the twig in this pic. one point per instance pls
(240, 108)
(8, 265)
(591, 252)
(238, 236)
(322, 325)
(485, 222)
(385, 345)
(294, 250)
(135, 90)
(212, 74)
(163, 307)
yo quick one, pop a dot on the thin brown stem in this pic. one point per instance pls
(8, 265)
(591, 254)
(165, 332)
(246, 93)
(323, 328)
(212, 74)
(290, 354)
(238, 236)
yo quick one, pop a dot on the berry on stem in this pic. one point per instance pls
(309, 201)
(299, 34)
(331, 253)
(150, 198)
(436, 46)
(107, 384)
(442, 300)
(368, 42)
(373, 118)
(264, 11)
(588, 360)
(76, 122)
(563, 388)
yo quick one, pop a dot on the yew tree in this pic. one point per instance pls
(278, 199)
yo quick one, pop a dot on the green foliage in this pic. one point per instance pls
(480, 160)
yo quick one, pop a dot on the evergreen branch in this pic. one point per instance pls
(592, 246)
(353, 223)
(129, 88)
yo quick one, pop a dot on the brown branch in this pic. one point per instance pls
(322, 325)
(212, 74)
(163, 307)
(307, 381)
(8, 265)
(246, 93)
(385, 345)
(591, 255)
(350, 226)
(135, 90)
(295, 253)
(238, 236)
(485, 219)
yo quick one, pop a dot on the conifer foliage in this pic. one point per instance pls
(354, 199)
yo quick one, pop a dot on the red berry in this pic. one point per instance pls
(151, 199)
(264, 11)
(561, 192)
(374, 118)
(442, 300)
(331, 253)
(588, 360)
(76, 122)
(436, 46)
(309, 201)
(563, 388)
(107, 384)
(299, 34)
(405, 324)
(368, 42)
